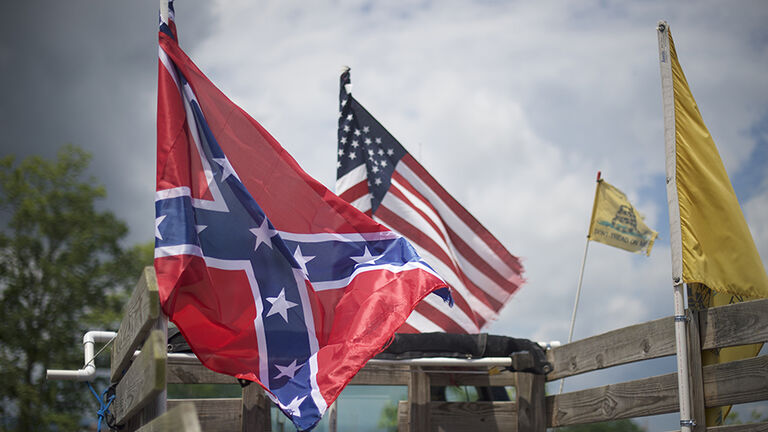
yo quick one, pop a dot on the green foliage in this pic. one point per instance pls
(62, 271)
(625, 425)
(388, 417)
(755, 416)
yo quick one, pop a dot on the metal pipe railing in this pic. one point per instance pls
(88, 372)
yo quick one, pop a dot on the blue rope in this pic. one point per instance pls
(104, 404)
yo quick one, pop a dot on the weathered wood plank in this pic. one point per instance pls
(418, 396)
(256, 409)
(156, 406)
(139, 315)
(753, 427)
(144, 380)
(626, 345)
(382, 375)
(720, 326)
(648, 396)
(695, 373)
(483, 379)
(182, 418)
(185, 373)
(736, 382)
(403, 417)
(473, 416)
(531, 404)
(215, 415)
(725, 325)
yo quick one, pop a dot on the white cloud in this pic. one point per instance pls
(513, 108)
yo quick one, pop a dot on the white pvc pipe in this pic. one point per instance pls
(432, 361)
(88, 372)
(446, 361)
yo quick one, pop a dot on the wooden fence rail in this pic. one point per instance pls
(731, 383)
(142, 381)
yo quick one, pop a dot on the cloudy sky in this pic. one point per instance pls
(512, 106)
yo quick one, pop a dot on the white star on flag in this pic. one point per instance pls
(227, 169)
(280, 305)
(289, 370)
(158, 221)
(263, 234)
(293, 407)
(366, 257)
(302, 260)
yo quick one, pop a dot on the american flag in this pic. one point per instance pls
(379, 177)
(268, 275)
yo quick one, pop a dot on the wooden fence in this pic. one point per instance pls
(736, 382)
(142, 381)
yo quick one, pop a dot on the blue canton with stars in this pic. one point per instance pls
(363, 140)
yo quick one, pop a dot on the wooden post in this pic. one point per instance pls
(695, 372)
(418, 396)
(157, 407)
(256, 409)
(183, 418)
(140, 315)
(144, 380)
(531, 405)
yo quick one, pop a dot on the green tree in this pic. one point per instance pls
(757, 415)
(62, 271)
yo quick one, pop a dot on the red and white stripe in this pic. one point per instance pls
(483, 275)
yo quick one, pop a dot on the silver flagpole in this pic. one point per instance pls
(578, 288)
(681, 341)
(576, 303)
(164, 11)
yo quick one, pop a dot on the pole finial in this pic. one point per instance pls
(598, 176)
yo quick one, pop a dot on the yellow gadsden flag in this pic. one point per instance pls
(712, 248)
(616, 223)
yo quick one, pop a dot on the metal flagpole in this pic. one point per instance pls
(576, 303)
(681, 341)
(581, 278)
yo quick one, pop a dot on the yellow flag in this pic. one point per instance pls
(710, 239)
(615, 221)
(712, 248)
